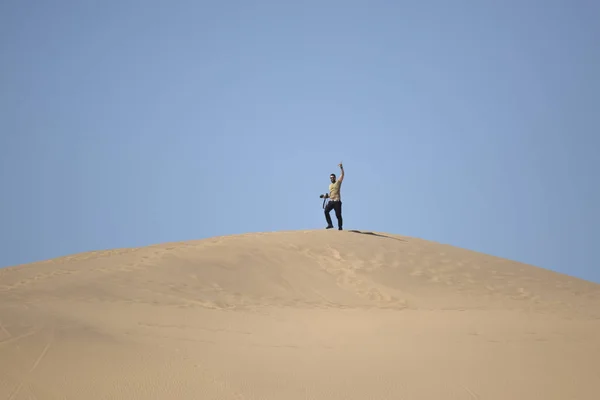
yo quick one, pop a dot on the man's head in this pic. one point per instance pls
(332, 178)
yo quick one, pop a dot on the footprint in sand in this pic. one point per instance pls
(335, 254)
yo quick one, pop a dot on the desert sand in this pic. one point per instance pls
(296, 315)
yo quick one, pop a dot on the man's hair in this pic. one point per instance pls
(330, 175)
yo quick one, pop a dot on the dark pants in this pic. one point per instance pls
(337, 206)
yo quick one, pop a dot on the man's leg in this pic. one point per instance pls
(338, 214)
(328, 209)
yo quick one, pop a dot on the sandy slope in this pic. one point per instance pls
(296, 315)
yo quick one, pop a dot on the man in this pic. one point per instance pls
(335, 199)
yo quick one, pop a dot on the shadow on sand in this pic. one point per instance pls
(376, 234)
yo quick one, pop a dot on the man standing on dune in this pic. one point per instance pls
(335, 199)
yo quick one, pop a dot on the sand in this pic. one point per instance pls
(296, 315)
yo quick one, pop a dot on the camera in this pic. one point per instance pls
(324, 196)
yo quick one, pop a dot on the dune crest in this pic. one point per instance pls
(296, 315)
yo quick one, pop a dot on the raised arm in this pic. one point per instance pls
(342, 175)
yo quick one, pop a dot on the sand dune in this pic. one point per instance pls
(296, 315)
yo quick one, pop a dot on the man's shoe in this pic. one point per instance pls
(329, 227)
(340, 228)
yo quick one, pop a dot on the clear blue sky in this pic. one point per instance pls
(472, 123)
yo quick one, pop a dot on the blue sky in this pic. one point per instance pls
(472, 123)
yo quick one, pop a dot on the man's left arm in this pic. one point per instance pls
(342, 175)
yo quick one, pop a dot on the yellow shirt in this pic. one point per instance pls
(334, 190)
